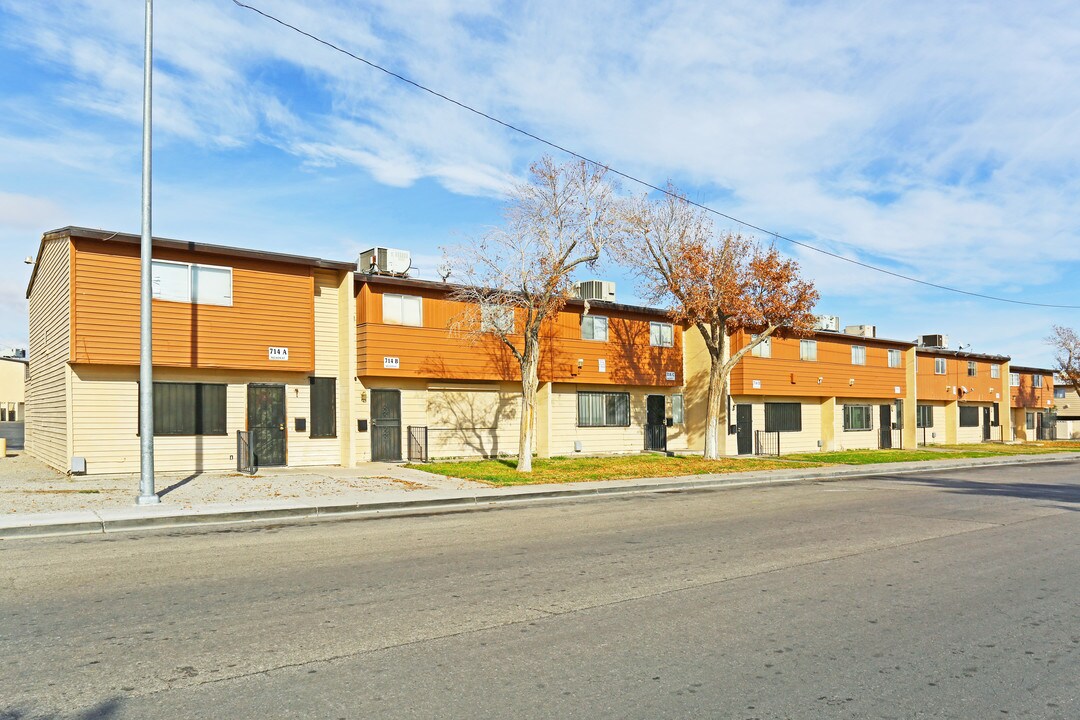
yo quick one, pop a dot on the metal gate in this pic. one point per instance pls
(418, 445)
(744, 428)
(245, 456)
(885, 427)
(766, 443)
(386, 425)
(655, 425)
(266, 424)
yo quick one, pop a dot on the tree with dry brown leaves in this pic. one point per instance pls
(517, 277)
(1066, 344)
(718, 283)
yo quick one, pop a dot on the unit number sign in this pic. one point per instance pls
(391, 363)
(278, 353)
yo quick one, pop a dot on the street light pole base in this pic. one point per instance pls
(147, 500)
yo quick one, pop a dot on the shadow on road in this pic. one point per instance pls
(1066, 494)
(101, 711)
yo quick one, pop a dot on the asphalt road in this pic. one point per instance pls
(951, 595)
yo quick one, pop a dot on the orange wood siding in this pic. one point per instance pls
(980, 388)
(1029, 396)
(273, 306)
(433, 351)
(784, 374)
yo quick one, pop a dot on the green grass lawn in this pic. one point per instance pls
(577, 469)
(869, 457)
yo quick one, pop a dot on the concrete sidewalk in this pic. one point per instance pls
(422, 492)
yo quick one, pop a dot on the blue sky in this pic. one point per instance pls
(941, 140)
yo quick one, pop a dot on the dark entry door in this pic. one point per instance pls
(655, 423)
(266, 424)
(885, 421)
(386, 425)
(744, 428)
(986, 423)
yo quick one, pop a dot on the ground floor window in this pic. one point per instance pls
(924, 416)
(783, 417)
(323, 407)
(189, 409)
(969, 417)
(1030, 421)
(603, 409)
(857, 417)
(677, 409)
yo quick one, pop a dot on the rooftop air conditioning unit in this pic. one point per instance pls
(868, 331)
(387, 261)
(595, 290)
(934, 341)
(828, 322)
(16, 353)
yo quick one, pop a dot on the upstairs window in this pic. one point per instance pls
(1014, 379)
(894, 358)
(762, 349)
(190, 283)
(973, 368)
(995, 371)
(939, 366)
(858, 354)
(1036, 381)
(808, 350)
(403, 310)
(497, 319)
(1059, 393)
(594, 327)
(661, 334)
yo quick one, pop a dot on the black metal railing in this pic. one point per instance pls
(417, 447)
(1046, 432)
(656, 437)
(245, 454)
(766, 443)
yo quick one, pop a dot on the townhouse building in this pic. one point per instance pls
(961, 397)
(1066, 409)
(1031, 402)
(316, 364)
(827, 391)
(300, 361)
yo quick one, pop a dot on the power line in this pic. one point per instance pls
(639, 181)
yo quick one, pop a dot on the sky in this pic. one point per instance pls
(938, 140)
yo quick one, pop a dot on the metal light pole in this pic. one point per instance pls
(147, 496)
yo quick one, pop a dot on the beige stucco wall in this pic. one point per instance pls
(966, 435)
(105, 412)
(606, 440)
(47, 386)
(860, 439)
(934, 435)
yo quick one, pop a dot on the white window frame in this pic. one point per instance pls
(808, 350)
(995, 371)
(972, 368)
(497, 319)
(858, 354)
(660, 327)
(400, 300)
(940, 366)
(188, 295)
(1036, 380)
(593, 321)
(896, 359)
(762, 349)
(1014, 379)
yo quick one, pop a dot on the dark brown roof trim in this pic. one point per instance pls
(160, 242)
(961, 354)
(1030, 369)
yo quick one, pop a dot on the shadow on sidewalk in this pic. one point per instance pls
(178, 484)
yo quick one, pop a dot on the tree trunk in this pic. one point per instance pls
(715, 411)
(529, 367)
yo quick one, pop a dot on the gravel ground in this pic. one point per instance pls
(28, 486)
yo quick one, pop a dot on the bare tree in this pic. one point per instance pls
(517, 277)
(718, 283)
(1066, 344)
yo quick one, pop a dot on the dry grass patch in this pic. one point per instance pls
(501, 472)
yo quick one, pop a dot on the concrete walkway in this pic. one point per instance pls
(376, 489)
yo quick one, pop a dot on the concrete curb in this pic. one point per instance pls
(131, 519)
